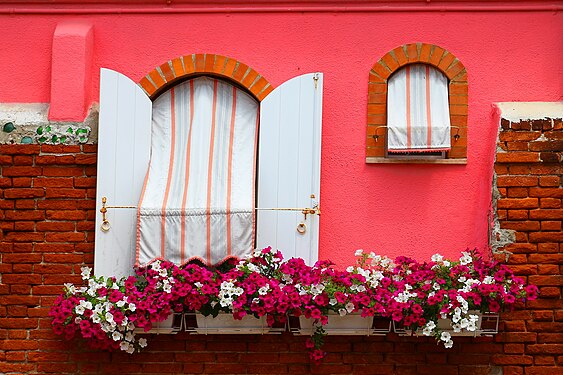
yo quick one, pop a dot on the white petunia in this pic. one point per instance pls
(142, 342)
(465, 258)
(116, 336)
(79, 309)
(342, 312)
(85, 272)
(445, 336)
(448, 344)
(359, 252)
(349, 307)
(437, 258)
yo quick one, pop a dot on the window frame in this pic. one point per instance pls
(416, 53)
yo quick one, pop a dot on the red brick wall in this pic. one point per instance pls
(47, 220)
(528, 176)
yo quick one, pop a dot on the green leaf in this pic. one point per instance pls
(39, 130)
(54, 138)
(42, 139)
(69, 130)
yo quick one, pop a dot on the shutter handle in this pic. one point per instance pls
(105, 223)
(301, 228)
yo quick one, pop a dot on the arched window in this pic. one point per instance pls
(198, 198)
(274, 172)
(403, 126)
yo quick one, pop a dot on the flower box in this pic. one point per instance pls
(226, 324)
(350, 324)
(487, 325)
(171, 325)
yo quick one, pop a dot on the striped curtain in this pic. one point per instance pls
(198, 197)
(417, 110)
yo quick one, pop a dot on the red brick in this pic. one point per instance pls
(546, 237)
(53, 182)
(21, 171)
(550, 292)
(23, 193)
(518, 157)
(514, 348)
(21, 182)
(501, 359)
(546, 192)
(518, 203)
(544, 214)
(63, 171)
(551, 225)
(555, 280)
(65, 237)
(517, 181)
(66, 193)
(555, 349)
(517, 214)
(19, 149)
(524, 226)
(550, 203)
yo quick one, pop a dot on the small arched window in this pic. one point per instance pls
(417, 107)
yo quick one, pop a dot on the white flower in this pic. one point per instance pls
(129, 336)
(130, 326)
(372, 255)
(465, 258)
(142, 342)
(333, 301)
(163, 272)
(350, 269)
(156, 266)
(87, 305)
(488, 280)
(109, 317)
(447, 263)
(342, 312)
(116, 336)
(120, 303)
(359, 252)
(448, 344)
(85, 272)
(77, 320)
(79, 309)
(349, 307)
(437, 258)
(70, 288)
(167, 287)
(264, 290)
(445, 336)
(132, 307)
(124, 345)
(96, 318)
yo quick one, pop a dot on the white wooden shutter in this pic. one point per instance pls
(124, 135)
(289, 166)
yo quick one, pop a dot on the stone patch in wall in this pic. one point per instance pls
(28, 123)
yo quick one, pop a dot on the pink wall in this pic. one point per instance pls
(394, 209)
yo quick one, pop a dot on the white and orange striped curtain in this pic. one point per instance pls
(198, 197)
(418, 117)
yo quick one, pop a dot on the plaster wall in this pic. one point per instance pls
(413, 210)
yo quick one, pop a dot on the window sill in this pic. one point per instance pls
(382, 160)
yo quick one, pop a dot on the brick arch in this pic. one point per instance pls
(162, 77)
(397, 58)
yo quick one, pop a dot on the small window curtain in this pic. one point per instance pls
(198, 197)
(418, 117)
